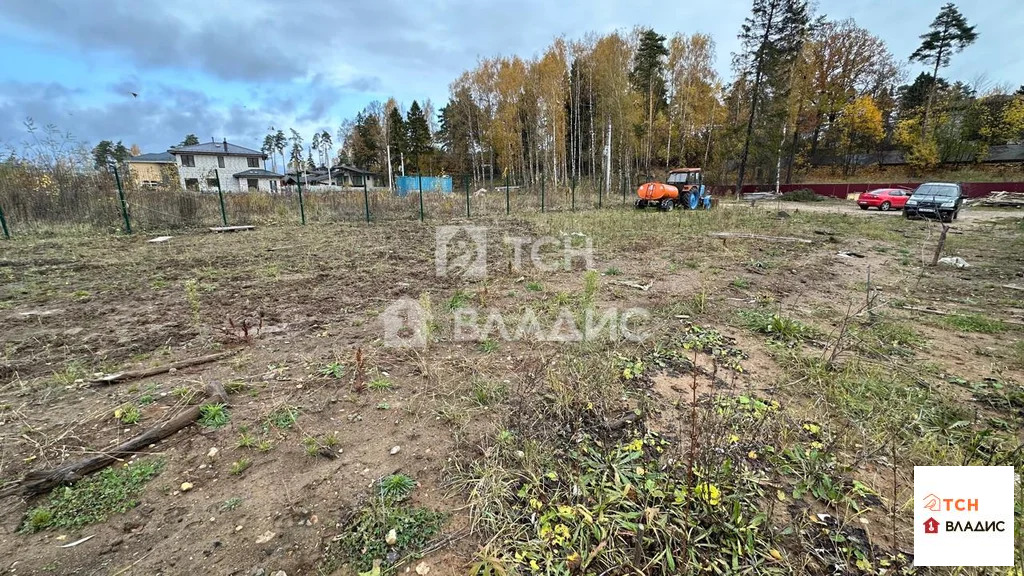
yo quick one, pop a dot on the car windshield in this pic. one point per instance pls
(937, 190)
(682, 178)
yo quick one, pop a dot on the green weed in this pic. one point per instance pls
(775, 325)
(239, 466)
(110, 491)
(380, 385)
(128, 414)
(284, 417)
(231, 504)
(974, 323)
(213, 415)
(395, 488)
(333, 370)
(534, 286)
(459, 300)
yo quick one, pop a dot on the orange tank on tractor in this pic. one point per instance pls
(684, 187)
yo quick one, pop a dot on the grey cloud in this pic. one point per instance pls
(153, 123)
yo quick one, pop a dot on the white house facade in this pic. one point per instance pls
(225, 166)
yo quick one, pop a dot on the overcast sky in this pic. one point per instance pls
(233, 68)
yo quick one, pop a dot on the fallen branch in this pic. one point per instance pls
(147, 372)
(723, 236)
(42, 481)
(644, 287)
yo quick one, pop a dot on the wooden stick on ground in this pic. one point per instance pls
(726, 235)
(41, 481)
(147, 372)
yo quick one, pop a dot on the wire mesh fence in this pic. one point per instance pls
(39, 202)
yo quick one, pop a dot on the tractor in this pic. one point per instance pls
(684, 187)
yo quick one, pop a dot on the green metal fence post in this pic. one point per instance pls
(574, 193)
(223, 212)
(366, 199)
(302, 207)
(466, 179)
(124, 203)
(3, 223)
(542, 176)
(507, 206)
(420, 176)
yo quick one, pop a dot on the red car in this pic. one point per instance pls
(884, 199)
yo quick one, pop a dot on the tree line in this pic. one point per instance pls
(806, 90)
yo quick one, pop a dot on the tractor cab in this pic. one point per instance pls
(685, 178)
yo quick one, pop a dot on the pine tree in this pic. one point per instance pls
(418, 137)
(949, 35)
(648, 78)
(772, 37)
(102, 154)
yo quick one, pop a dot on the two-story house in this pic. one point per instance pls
(205, 167)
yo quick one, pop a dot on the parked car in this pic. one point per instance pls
(884, 199)
(940, 200)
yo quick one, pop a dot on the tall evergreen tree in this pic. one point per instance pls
(396, 136)
(418, 138)
(772, 37)
(648, 78)
(190, 140)
(949, 34)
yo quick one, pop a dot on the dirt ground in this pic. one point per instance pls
(77, 306)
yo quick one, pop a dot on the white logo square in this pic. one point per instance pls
(963, 515)
(461, 250)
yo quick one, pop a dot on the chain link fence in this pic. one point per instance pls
(36, 201)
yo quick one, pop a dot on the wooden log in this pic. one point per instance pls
(147, 372)
(726, 235)
(219, 229)
(41, 481)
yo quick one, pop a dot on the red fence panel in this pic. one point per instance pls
(970, 189)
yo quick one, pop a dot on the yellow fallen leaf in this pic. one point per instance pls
(775, 554)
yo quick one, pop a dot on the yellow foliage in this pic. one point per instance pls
(861, 121)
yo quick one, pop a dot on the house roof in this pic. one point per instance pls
(154, 158)
(216, 148)
(256, 173)
(346, 168)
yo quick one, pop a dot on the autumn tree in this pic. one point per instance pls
(134, 150)
(949, 33)
(861, 124)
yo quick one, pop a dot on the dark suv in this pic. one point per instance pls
(940, 200)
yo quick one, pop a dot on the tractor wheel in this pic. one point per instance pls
(640, 204)
(885, 206)
(667, 205)
(692, 201)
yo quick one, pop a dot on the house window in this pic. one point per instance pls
(253, 162)
(220, 161)
(188, 160)
(357, 180)
(212, 183)
(273, 185)
(192, 184)
(253, 184)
